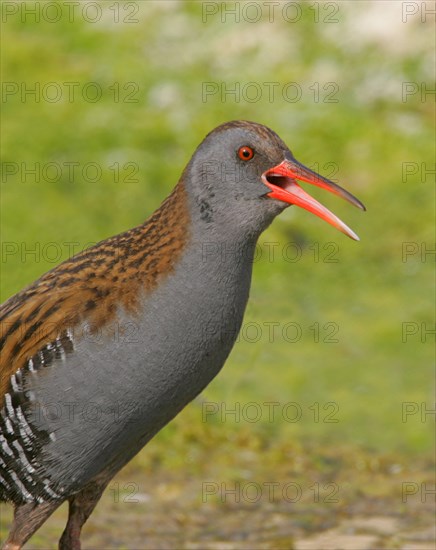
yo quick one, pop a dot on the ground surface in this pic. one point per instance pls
(325, 503)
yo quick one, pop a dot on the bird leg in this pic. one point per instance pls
(27, 519)
(80, 508)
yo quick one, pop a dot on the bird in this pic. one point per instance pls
(102, 351)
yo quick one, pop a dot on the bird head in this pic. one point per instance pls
(244, 175)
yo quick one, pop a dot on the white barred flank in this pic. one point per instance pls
(20, 441)
(9, 407)
(60, 348)
(14, 383)
(20, 486)
(4, 446)
(9, 427)
(23, 457)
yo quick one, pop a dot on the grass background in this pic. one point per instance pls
(162, 60)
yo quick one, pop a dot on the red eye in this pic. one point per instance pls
(245, 153)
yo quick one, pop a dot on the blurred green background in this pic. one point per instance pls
(343, 84)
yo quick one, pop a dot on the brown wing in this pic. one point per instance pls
(39, 314)
(90, 286)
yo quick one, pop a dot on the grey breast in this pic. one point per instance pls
(120, 387)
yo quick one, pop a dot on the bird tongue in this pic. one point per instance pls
(281, 181)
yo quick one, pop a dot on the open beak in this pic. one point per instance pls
(281, 181)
